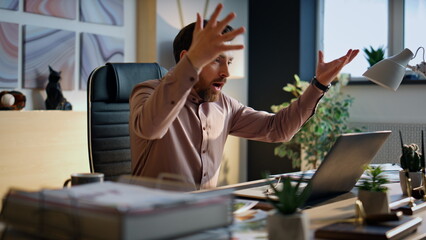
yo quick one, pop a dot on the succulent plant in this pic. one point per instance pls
(291, 197)
(374, 56)
(411, 157)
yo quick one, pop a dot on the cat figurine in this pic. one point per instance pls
(55, 99)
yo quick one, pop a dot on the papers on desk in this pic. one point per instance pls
(116, 211)
(391, 172)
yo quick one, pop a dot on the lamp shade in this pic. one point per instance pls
(389, 72)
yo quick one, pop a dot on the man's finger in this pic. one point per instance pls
(229, 36)
(320, 56)
(198, 24)
(353, 55)
(215, 14)
(222, 24)
(225, 48)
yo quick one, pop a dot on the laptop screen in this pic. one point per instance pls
(343, 165)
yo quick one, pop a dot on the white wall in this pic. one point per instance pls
(376, 104)
(168, 25)
(35, 98)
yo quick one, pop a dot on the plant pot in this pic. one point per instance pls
(416, 180)
(374, 202)
(294, 226)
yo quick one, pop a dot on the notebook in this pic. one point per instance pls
(340, 169)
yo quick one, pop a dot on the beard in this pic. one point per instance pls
(207, 93)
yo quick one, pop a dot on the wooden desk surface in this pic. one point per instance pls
(343, 207)
(339, 208)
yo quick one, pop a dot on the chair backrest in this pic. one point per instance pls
(108, 91)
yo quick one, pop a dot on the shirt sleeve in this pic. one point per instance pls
(279, 127)
(153, 107)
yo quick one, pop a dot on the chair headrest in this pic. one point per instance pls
(127, 75)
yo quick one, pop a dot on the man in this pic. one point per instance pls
(179, 124)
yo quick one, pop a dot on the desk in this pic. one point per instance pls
(340, 208)
(333, 210)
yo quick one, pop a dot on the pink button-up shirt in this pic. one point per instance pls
(173, 131)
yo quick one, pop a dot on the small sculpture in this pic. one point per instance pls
(55, 99)
(12, 100)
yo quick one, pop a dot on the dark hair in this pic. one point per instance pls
(183, 39)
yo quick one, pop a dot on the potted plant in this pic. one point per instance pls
(411, 165)
(310, 145)
(372, 192)
(287, 221)
(374, 56)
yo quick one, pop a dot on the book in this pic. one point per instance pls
(384, 230)
(112, 210)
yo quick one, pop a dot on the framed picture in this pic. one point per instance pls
(9, 4)
(55, 8)
(44, 47)
(9, 38)
(109, 12)
(96, 50)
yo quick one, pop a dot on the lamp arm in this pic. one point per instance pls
(419, 68)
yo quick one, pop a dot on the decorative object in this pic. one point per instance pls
(374, 56)
(410, 155)
(96, 50)
(419, 68)
(411, 165)
(55, 99)
(318, 134)
(372, 193)
(12, 100)
(55, 8)
(102, 11)
(9, 38)
(287, 221)
(389, 72)
(45, 46)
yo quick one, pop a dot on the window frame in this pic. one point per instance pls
(396, 9)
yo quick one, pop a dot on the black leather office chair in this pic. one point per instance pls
(108, 91)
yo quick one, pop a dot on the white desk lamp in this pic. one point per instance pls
(389, 72)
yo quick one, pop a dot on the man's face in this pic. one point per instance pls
(213, 77)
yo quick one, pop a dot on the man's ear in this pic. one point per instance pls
(182, 54)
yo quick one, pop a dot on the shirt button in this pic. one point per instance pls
(191, 79)
(204, 128)
(205, 174)
(204, 151)
(172, 102)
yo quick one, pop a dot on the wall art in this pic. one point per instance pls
(102, 11)
(44, 47)
(96, 50)
(9, 4)
(9, 38)
(55, 8)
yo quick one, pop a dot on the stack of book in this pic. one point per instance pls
(115, 211)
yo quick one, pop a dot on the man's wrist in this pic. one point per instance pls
(190, 62)
(319, 85)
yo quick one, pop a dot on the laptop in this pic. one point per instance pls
(340, 169)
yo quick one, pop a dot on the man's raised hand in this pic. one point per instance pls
(208, 41)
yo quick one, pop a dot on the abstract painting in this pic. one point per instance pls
(55, 8)
(9, 37)
(102, 11)
(44, 47)
(9, 4)
(96, 50)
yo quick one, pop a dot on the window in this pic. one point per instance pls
(414, 26)
(354, 24)
(393, 24)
